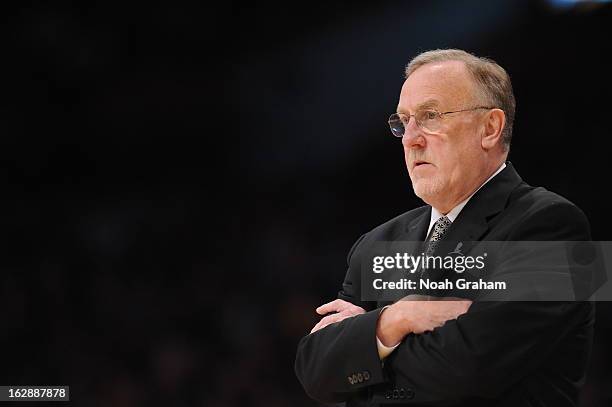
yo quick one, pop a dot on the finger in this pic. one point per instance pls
(339, 316)
(459, 304)
(330, 319)
(333, 306)
(358, 310)
(323, 309)
(456, 312)
(465, 305)
(352, 311)
(455, 299)
(320, 324)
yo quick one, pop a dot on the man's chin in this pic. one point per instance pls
(427, 189)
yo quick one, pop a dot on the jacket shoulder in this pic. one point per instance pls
(537, 199)
(538, 208)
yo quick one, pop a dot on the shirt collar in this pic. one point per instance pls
(453, 213)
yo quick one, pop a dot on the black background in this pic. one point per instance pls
(181, 183)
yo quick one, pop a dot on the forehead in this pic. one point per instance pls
(446, 85)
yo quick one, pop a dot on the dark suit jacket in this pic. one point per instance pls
(497, 354)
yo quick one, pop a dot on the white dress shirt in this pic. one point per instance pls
(384, 351)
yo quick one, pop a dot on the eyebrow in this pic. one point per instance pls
(428, 104)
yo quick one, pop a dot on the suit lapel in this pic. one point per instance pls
(472, 222)
(416, 230)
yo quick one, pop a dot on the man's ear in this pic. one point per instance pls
(494, 122)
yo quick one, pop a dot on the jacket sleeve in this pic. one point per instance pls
(341, 360)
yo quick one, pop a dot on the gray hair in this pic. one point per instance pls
(491, 79)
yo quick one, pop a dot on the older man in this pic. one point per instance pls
(454, 117)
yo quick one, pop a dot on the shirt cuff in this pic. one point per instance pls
(384, 351)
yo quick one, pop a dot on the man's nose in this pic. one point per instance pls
(413, 135)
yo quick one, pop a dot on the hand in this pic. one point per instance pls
(408, 316)
(343, 309)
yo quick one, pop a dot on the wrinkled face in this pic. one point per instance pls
(444, 166)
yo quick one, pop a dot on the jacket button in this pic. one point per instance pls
(409, 393)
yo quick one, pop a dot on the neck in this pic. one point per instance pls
(445, 206)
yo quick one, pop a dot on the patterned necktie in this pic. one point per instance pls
(437, 233)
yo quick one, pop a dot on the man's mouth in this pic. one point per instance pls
(419, 163)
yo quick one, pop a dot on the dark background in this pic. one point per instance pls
(181, 183)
